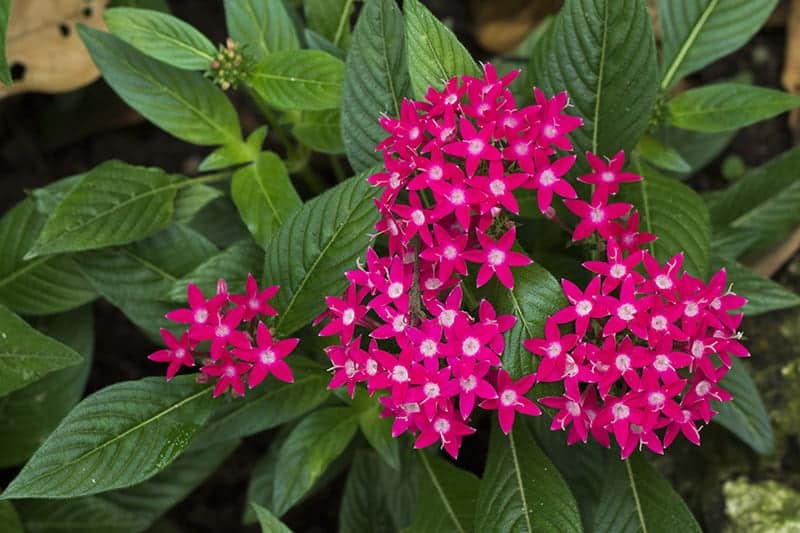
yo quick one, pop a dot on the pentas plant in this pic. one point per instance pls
(238, 345)
(643, 344)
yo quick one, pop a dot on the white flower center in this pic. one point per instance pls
(431, 390)
(636, 429)
(449, 252)
(394, 180)
(475, 146)
(470, 346)
(702, 388)
(547, 178)
(348, 316)
(413, 133)
(553, 350)
(436, 173)
(350, 368)
(222, 331)
(571, 368)
(446, 133)
(623, 362)
(395, 290)
(661, 363)
(180, 353)
(656, 399)
(626, 312)
(618, 271)
(496, 257)
(497, 187)
(451, 99)
(253, 303)
(658, 322)
(573, 408)
(429, 348)
(698, 349)
(468, 384)
(418, 217)
(522, 149)
(400, 374)
(597, 215)
(441, 426)
(457, 197)
(268, 356)
(550, 132)
(691, 309)
(508, 397)
(230, 371)
(371, 367)
(447, 318)
(433, 283)
(583, 307)
(716, 304)
(607, 176)
(663, 282)
(200, 316)
(399, 323)
(621, 411)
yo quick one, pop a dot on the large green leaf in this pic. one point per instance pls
(9, 518)
(521, 489)
(696, 32)
(330, 19)
(764, 200)
(264, 195)
(446, 497)
(635, 498)
(320, 131)
(37, 286)
(763, 294)
(259, 488)
(363, 505)
(434, 54)
(676, 214)
(29, 414)
(727, 106)
(115, 203)
(270, 405)
(230, 155)
(375, 81)
(232, 264)
(601, 52)
(536, 295)
(311, 446)
(262, 26)
(180, 102)
(128, 510)
(28, 355)
(308, 80)
(138, 278)
(5, 12)
(378, 432)
(115, 438)
(745, 416)
(220, 223)
(313, 248)
(400, 484)
(269, 522)
(161, 36)
(696, 148)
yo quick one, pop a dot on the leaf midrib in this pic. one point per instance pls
(440, 491)
(342, 20)
(295, 79)
(385, 52)
(520, 486)
(680, 57)
(600, 73)
(173, 40)
(635, 492)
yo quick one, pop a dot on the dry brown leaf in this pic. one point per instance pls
(791, 66)
(501, 26)
(772, 261)
(43, 48)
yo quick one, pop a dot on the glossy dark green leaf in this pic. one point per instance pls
(727, 106)
(661, 155)
(363, 505)
(312, 249)
(697, 32)
(434, 54)
(9, 518)
(115, 438)
(236, 153)
(115, 203)
(446, 497)
(696, 148)
(180, 102)
(29, 414)
(378, 432)
(676, 214)
(162, 36)
(264, 195)
(269, 522)
(42, 285)
(602, 52)
(521, 489)
(259, 488)
(191, 200)
(308, 80)
(262, 26)
(375, 81)
(5, 12)
(745, 416)
(311, 446)
(763, 295)
(320, 131)
(220, 223)
(330, 19)
(401, 485)
(27, 355)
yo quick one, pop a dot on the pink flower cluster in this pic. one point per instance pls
(238, 345)
(648, 351)
(452, 165)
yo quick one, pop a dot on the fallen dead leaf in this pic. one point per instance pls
(43, 48)
(772, 261)
(501, 26)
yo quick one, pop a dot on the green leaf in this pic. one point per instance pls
(27, 355)
(29, 414)
(378, 432)
(232, 264)
(676, 214)
(400, 484)
(5, 12)
(696, 148)
(237, 153)
(262, 26)
(191, 200)
(182, 103)
(314, 247)
(521, 489)
(363, 505)
(661, 155)
(320, 131)
(375, 81)
(161, 36)
(635, 498)
(115, 438)
(115, 203)
(127, 510)
(269, 522)
(434, 54)
(727, 106)
(697, 32)
(37, 286)
(269, 406)
(764, 201)
(536, 295)
(311, 446)
(330, 19)
(602, 52)
(9, 518)
(308, 80)
(763, 294)
(138, 278)
(446, 497)
(745, 416)
(730, 243)
(264, 195)
(259, 488)
(220, 222)
(316, 41)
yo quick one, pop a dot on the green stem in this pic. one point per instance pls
(338, 169)
(272, 120)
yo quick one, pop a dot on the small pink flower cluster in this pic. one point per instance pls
(647, 345)
(452, 164)
(227, 324)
